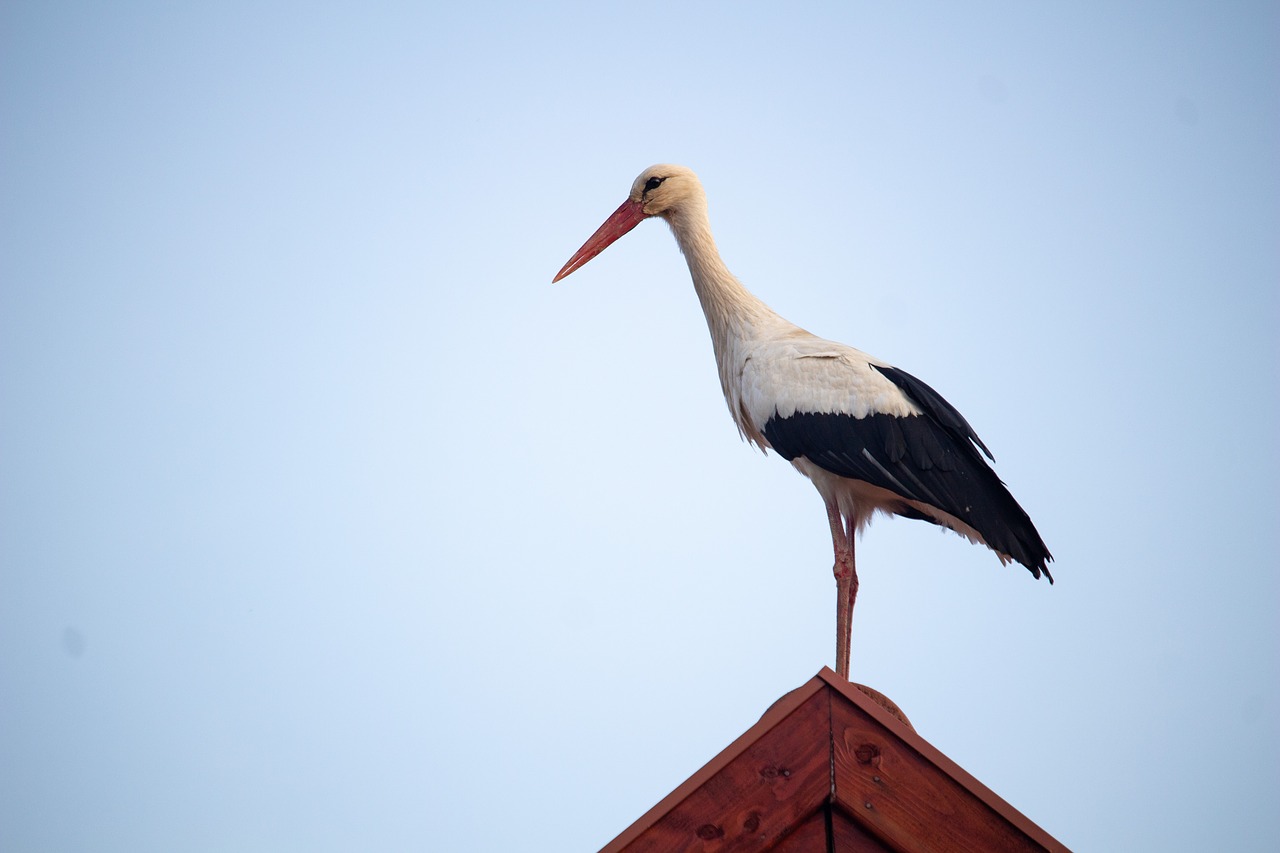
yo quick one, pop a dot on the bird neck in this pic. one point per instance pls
(733, 313)
(735, 317)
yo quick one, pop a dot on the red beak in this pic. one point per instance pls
(625, 218)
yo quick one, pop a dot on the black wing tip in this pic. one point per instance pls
(1041, 567)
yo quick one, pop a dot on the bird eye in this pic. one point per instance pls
(652, 183)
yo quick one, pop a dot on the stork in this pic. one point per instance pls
(871, 437)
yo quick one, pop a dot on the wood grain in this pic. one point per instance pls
(751, 802)
(886, 785)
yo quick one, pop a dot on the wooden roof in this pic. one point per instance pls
(830, 769)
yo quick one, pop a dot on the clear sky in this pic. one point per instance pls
(328, 523)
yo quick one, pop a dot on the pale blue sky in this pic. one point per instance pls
(327, 523)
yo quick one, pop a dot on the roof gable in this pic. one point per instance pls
(829, 768)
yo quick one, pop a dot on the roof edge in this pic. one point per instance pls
(932, 754)
(773, 715)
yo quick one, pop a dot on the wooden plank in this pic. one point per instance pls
(845, 834)
(809, 837)
(931, 755)
(848, 836)
(752, 794)
(887, 784)
(776, 712)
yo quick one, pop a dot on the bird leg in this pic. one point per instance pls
(846, 586)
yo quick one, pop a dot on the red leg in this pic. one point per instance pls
(846, 586)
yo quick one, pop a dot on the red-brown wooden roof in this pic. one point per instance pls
(828, 769)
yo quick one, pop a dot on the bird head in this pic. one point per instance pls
(663, 190)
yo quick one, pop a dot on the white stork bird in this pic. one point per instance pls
(869, 436)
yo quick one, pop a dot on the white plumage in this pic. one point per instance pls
(869, 436)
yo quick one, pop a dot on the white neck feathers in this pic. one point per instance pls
(736, 318)
(731, 310)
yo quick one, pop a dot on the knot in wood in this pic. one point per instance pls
(867, 753)
(710, 832)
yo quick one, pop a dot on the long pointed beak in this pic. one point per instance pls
(626, 217)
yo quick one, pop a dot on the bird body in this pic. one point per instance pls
(871, 437)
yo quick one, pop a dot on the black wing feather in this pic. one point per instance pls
(933, 403)
(929, 458)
